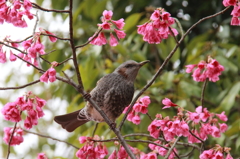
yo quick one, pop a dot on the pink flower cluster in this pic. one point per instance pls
(122, 154)
(17, 137)
(139, 107)
(42, 156)
(235, 12)
(158, 28)
(162, 151)
(110, 25)
(3, 57)
(29, 103)
(49, 75)
(216, 152)
(178, 125)
(34, 47)
(14, 11)
(91, 150)
(211, 70)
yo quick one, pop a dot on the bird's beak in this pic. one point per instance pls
(143, 63)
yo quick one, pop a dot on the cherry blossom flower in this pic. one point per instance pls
(91, 149)
(42, 156)
(30, 104)
(14, 12)
(49, 75)
(16, 137)
(216, 153)
(139, 107)
(158, 28)
(110, 25)
(168, 103)
(222, 116)
(211, 70)
(235, 12)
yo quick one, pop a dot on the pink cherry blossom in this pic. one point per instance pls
(110, 25)
(105, 25)
(107, 15)
(235, 12)
(101, 151)
(122, 154)
(158, 27)
(13, 12)
(120, 34)
(3, 57)
(223, 127)
(206, 154)
(113, 40)
(168, 103)
(154, 128)
(12, 56)
(16, 137)
(145, 100)
(11, 112)
(99, 40)
(119, 23)
(211, 70)
(49, 75)
(51, 38)
(136, 119)
(222, 116)
(42, 156)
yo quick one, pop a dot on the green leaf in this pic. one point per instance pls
(132, 21)
(229, 100)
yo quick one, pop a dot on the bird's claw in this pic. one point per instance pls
(87, 96)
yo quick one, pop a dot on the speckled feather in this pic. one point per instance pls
(112, 94)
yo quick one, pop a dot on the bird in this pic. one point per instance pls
(112, 93)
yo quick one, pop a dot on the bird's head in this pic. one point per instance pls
(129, 69)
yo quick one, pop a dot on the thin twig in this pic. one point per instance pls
(10, 140)
(172, 147)
(12, 47)
(55, 36)
(64, 61)
(203, 91)
(49, 137)
(175, 38)
(188, 154)
(19, 87)
(35, 25)
(136, 140)
(196, 136)
(49, 10)
(149, 117)
(41, 70)
(165, 62)
(95, 128)
(95, 35)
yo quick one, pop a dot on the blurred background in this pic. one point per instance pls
(214, 37)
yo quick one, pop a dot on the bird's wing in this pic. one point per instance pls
(117, 98)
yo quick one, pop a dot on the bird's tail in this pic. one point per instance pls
(71, 121)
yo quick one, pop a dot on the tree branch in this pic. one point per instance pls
(203, 91)
(49, 10)
(10, 140)
(20, 87)
(49, 137)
